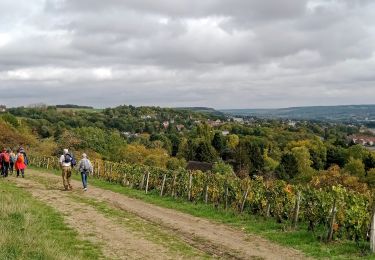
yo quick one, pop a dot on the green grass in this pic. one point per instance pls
(268, 228)
(31, 230)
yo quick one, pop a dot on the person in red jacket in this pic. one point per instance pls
(5, 162)
(21, 162)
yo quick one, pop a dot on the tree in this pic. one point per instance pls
(249, 155)
(355, 167)
(370, 178)
(288, 168)
(222, 168)
(295, 164)
(186, 149)
(233, 141)
(369, 161)
(175, 163)
(357, 152)
(336, 155)
(204, 131)
(204, 152)
(218, 142)
(303, 158)
(316, 149)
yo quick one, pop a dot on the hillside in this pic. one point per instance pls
(205, 110)
(334, 113)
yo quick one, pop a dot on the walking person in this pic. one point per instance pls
(21, 162)
(85, 168)
(5, 162)
(67, 162)
(12, 161)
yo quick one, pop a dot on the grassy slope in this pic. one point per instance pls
(31, 230)
(267, 228)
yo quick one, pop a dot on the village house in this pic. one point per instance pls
(146, 117)
(238, 120)
(225, 133)
(165, 124)
(180, 127)
(3, 108)
(362, 140)
(214, 123)
(130, 135)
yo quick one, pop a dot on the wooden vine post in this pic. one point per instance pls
(47, 163)
(148, 177)
(174, 185)
(372, 231)
(226, 196)
(206, 189)
(190, 185)
(98, 170)
(296, 210)
(104, 169)
(332, 223)
(245, 198)
(110, 171)
(142, 184)
(162, 185)
(206, 194)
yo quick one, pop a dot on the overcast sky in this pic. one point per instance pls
(216, 53)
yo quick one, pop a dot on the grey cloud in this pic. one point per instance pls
(240, 53)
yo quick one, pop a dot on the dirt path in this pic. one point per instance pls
(216, 239)
(116, 241)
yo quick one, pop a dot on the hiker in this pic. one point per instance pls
(85, 168)
(5, 161)
(12, 161)
(67, 162)
(21, 162)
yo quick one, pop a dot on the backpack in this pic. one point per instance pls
(86, 165)
(12, 157)
(6, 157)
(67, 158)
(20, 158)
(25, 159)
(70, 159)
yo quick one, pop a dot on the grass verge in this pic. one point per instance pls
(299, 239)
(31, 230)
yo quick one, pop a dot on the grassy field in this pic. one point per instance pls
(31, 230)
(299, 239)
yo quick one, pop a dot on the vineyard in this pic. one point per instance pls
(332, 213)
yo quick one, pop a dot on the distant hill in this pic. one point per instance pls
(206, 110)
(73, 106)
(332, 113)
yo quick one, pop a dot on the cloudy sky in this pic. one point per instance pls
(217, 53)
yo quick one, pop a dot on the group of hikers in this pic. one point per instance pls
(10, 161)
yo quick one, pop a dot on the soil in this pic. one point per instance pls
(217, 240)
